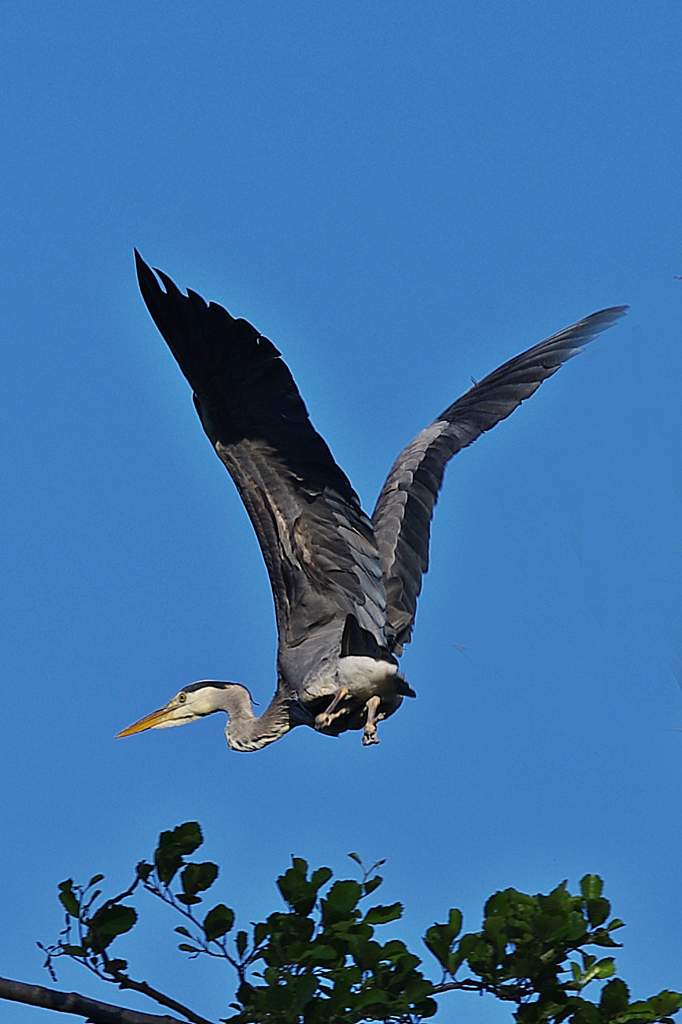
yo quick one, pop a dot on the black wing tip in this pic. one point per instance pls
(616, 310)
(586, 330)
(140, 266)
(610, 314)
(146, 278)
(595, 323)
(161, 297)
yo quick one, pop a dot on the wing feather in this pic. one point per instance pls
(402, 517)
(317, 543)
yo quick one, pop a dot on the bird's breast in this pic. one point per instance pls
(366, 677)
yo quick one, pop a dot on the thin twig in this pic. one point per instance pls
(168, 896)
(141, 986)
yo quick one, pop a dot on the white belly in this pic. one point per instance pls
(364, 677)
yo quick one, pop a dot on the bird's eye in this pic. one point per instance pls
(182, 697)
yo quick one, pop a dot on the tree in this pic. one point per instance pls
(319, 961)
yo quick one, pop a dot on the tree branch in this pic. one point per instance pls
(71, 1002)
(146, 990)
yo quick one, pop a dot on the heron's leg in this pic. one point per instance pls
(369, 734)
(325, 718)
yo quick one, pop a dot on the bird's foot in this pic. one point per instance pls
(325, 718)
(369, 735)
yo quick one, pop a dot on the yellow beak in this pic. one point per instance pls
(148, 722)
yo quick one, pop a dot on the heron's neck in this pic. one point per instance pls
(246, 731)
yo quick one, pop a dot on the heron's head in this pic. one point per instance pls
(192, 702)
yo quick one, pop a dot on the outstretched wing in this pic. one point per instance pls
(402, 517)
(317, 543)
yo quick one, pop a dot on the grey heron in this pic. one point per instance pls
(345, 585)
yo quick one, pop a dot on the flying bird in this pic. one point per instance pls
(345, 585)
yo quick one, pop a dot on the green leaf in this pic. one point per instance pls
(440, 937)
(575, 927)
(218, 922)
(182, 931)
(73, 950)
(95, 879)
(591, 887)
(186, 948)
(455, 922)
(666, 1002)
(341, 901)
(144, 870)
(68, 899)
(427, 1008)
(372, 997)
(455, 961)
(438, 942)
(241, 942)
(320, 877)
(175, 845)
(109, 922)
(324, 955)
(373, 884)
(116, 965)
(303, 991)
(589, 975)
(598, 910)
(198, 877)
(356, 858)
(602, 938)
(189, 901)
(586, 1013)
(366, 953)
(607, 967)
(380, 915)
(299, 893)
(615, 997)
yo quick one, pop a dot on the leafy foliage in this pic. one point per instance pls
(319, 961)
(532, 951)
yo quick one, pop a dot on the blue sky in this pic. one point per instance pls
(401, 196)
